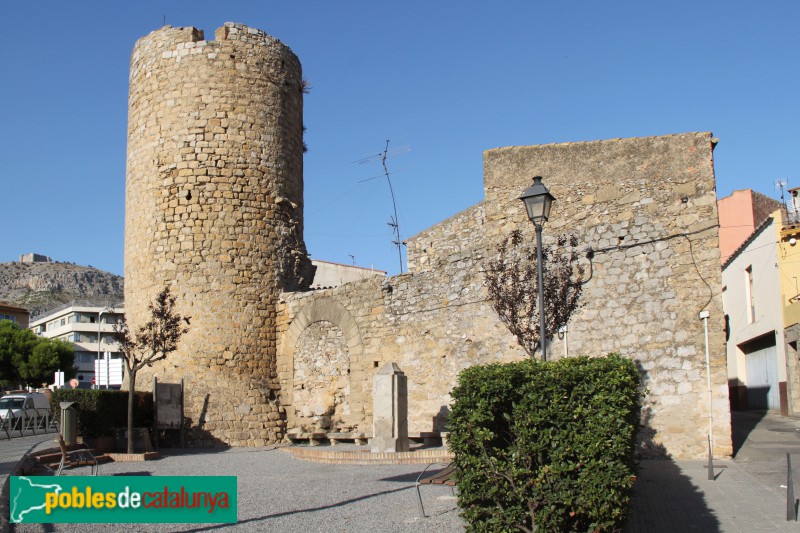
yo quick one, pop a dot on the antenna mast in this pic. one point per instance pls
(394, 222)
(781, 184)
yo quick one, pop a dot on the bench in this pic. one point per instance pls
(332, 438)
(357, 437)
(445, 476)
(78, 457)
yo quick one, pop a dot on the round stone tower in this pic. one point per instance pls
(213, 209)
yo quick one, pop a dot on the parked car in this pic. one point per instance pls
(31, 404)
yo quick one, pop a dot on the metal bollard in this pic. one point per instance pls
(791, 513)
(711, 476)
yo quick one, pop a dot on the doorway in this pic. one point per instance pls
(762, 373)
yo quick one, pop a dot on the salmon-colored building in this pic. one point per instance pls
(739, 215)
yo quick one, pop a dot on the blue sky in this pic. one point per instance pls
(446, 79)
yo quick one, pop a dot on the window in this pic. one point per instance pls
(749, 296)
(85, 357)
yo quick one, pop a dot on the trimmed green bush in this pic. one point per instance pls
(546, 442)
(100, 411)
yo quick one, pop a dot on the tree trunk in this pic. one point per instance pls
(131, 394)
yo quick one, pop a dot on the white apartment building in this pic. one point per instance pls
(83, 324)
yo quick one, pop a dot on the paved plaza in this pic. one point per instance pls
(278, 492)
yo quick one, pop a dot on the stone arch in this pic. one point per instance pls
(318, 310)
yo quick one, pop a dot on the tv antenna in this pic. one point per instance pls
(394, 222)
(782, 184)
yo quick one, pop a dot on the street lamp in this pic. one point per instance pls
(106, 310)
(538, 200)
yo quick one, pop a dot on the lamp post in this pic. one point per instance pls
(106, 310)
(538, 200)
(97, 366)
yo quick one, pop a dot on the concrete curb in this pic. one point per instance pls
(365, 457)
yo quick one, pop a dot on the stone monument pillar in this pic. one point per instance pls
(390, 410)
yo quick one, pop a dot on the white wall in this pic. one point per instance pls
(761, 255)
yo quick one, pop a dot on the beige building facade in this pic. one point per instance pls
(18, 315)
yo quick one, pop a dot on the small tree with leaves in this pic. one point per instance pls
(511, 278)
(151, 342)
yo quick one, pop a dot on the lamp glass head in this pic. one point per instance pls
(537, 200)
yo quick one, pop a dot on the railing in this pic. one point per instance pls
(41, 421)
(78, 303)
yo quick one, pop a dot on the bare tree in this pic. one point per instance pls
(152, 342)
(511, 279)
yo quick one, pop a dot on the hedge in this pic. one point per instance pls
(546, 442)
(100, 411)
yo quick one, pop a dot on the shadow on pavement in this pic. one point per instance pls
(742, 424)
(298, 511)
(666, 500)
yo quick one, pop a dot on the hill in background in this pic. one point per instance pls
(42, 286)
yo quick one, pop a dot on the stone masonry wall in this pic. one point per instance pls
(321, 385)
(645, 206)
(214, 210)
(433, 324)
(648, 208)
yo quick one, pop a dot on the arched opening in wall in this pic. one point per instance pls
(321, 386)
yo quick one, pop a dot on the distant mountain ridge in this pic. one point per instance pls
(42, 286)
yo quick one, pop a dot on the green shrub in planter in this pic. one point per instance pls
(550, 443)
(100, 410)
